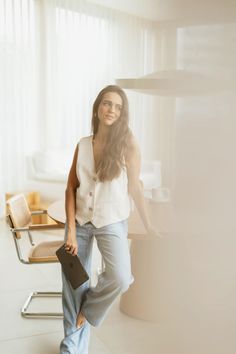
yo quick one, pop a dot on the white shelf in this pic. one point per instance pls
(174, 83)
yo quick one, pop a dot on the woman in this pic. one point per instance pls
(104, 172)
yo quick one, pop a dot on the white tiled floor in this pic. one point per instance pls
(119, 334)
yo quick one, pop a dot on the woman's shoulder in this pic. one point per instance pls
(133, 147)
(85, 139)
(133, 142)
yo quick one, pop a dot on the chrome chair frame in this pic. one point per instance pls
(35, 294)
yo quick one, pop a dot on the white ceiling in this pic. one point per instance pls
(186, 11)
(142, 8)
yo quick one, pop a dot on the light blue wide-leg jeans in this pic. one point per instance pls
(94, 302)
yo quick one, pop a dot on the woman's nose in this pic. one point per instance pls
(112, 107)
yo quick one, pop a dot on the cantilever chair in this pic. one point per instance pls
(20, 222)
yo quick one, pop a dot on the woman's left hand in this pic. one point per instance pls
(153, 233)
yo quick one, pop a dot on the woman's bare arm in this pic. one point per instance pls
(135, 188)
(70, 206)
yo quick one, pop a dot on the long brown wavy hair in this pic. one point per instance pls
(112, 160)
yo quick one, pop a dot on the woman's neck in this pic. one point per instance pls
(102, 133)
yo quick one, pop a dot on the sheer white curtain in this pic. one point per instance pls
(88, 47)
(18, 118)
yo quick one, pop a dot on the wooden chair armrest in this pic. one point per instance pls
(38, 212)
(46, 226)
(19, 229)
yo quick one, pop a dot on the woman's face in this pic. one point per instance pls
(109, 109)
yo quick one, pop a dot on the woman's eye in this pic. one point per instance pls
(118, 108)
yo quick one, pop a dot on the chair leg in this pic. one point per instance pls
(44, 294)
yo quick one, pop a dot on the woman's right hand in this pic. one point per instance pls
(71, 245)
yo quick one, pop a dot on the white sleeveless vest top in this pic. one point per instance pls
(101, 203)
